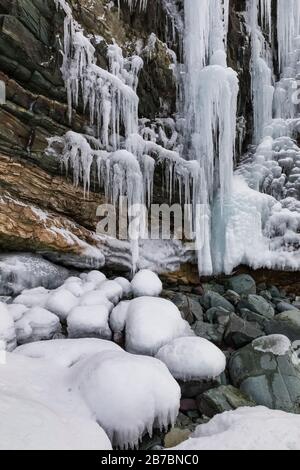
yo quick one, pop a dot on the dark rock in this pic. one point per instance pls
(258, 304)
(224, 398)
(213, 333)
(188, 404)
(242, 284)
(188, 304)
(286, 307)
(218, 316)
(252, 317)
(194, 388)
(268, 379)
(232, 297)
(285, 323)
(240, 332)
(213, 299)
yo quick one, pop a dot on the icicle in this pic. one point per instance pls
(288, 28)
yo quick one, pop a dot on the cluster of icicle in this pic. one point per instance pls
(211, 90)
(124, 165)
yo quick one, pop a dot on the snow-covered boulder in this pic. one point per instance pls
(118, 317)
(89, 322)
(95, 276)
(95, 297)
(36, 297)
(112, 291)
(127, 394)
(126, 286)
(75, 286)
(66, 352)
(151, 323)
(30, 425)
(7, 328)
(192, 358)
(37, 324)
(255, 428)
(61, 302)
(17, 310)
(146, 283)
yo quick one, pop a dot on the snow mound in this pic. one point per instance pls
(118, 316)
(126, 286)
(7, 328)
(112, 291)
(17, 311)
(37, 324)
(151, 323)
(28, 425)
(95, 298)
(146, 283)
(95, 276)
(75, 286)
(128, 394)
(89, 322)
(36, 297)
(278, 345)
(192, 358)
(66, 352)
(61, 302)
(247, 429)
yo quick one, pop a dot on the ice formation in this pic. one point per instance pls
(278, 345)
(37, 324)
(61, 302)
(247, 429)
(128, 395)
(151, 323)
(89, 322)
(192, 358)
(117, 319)
(7, 328)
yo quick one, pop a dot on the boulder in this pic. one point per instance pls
(213, 333)
(285, 323)
(213, 299)
(221, 399)
(240, 332)
(267, 372)
(242, 284)
(259, 305)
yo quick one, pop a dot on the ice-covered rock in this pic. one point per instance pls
(112, 290)
(37, 324)
(17, 310)
(75, 286)
(27, 271)
(192, 358)
(7, 328)
(128, 395)
(61, 302)
(95, 276)
(89, 322)
(37, 297)
(278, 345)
(126, 286)
(95, 297)
(146, 283)
(118, 316)
(151, 323)
(66, 352)
(255, 428)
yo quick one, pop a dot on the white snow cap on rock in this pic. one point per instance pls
(61, 302)
(112, 290)
(95, 276)
(151, 323)
(30, 425)
(146, 283)
(126, 286)
(95, 297)
(118, 316)
(127, 394)
(17, 310)
(89, 322)
(247, 429)
(192, 358)
(37, 297)
(278, 345)
(37, 324)
(66, 352)
(7, 328)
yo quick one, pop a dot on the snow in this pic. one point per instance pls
(37, 324)
(36, 297)
(61, 302)
(89, 322)
(95, 297)
(95, 276)
(66, 352)
(38, 409)
(247, 429)
(118, 316)
(126, 286)
(7, 328)
(278, 345)
(17, 311)
(146, 283)
(29, 425)
(127, 394)
(112, 290)
(151, 323)
(192, 358)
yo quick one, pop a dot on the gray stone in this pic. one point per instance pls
(218, 316)
(285, 323)
(239, 332)
(268, 379)
(242, 284)
(274, 291)
(213, 299)
(286, 307)
(195, 388)
(259, 305)
(188, 304)
(253, 317)
(224, 398)
(213, 333)
(213, 287)
(233, 297)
